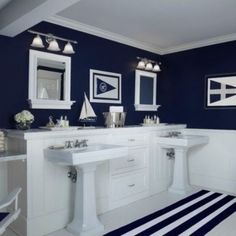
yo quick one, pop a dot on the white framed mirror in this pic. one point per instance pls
(49, 81)
(145, 91)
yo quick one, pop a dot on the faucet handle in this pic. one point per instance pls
(85, 142)
(72, 144)
(69, 144)
(66, 144)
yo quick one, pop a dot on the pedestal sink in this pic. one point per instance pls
(85, 160)
(181, 145)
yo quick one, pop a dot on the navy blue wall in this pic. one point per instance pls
(182, 86)
(92, 53)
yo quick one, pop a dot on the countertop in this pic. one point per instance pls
(11, 156)
(41, 133)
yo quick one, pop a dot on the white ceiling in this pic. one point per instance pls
(16, 16)
(161, 26)
(3, 3)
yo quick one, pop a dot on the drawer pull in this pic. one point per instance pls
(130, 160)
(131, 185)
(131, 140)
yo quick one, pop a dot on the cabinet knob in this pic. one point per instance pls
(131, 185)
(131, 140)
(130, 160)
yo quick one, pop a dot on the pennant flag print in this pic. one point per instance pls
(106, 87)
(103, 87)
(221, 91)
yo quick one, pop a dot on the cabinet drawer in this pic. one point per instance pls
(136, 159)
(126, 186)
(130, 140)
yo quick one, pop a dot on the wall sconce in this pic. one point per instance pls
(146, 64)
(52, 42)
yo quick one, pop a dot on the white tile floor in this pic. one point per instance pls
(124, 215)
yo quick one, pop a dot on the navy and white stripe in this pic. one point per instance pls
(193, 215)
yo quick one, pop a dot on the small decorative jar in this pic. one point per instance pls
(24, 120)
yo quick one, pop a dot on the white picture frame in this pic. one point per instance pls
(34, 100)
(220, 92)
(105, 87)
(145, 101)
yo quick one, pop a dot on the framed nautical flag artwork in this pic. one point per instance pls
(105, 87)
(221, 91)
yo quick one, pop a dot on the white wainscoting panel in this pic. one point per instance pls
(214, 165)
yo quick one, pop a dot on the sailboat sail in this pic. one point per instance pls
(87, 111)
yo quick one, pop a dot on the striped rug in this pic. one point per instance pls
(194, 215)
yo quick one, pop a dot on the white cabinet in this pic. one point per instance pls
(129, 179)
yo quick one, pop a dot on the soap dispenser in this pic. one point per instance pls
(66, 122)
(145, 120)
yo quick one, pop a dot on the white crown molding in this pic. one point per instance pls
(201, 43)
(75, 25)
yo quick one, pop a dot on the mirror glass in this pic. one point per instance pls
(146, 90)
(50, 79)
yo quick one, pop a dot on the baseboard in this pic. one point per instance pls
(42, 225)
(128, 200)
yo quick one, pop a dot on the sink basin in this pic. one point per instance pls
(182, 141)
(85, 221)
(180, 144)
(90, 154)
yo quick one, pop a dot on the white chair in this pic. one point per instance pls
(7, 217)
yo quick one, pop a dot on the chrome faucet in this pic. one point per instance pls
(82, 143)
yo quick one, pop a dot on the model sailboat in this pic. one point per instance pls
(87, 113)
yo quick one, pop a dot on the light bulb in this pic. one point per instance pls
(53, 46)
(68, 49)
(149, 66)
(37, 42)
(156, 68)
(141, 65)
